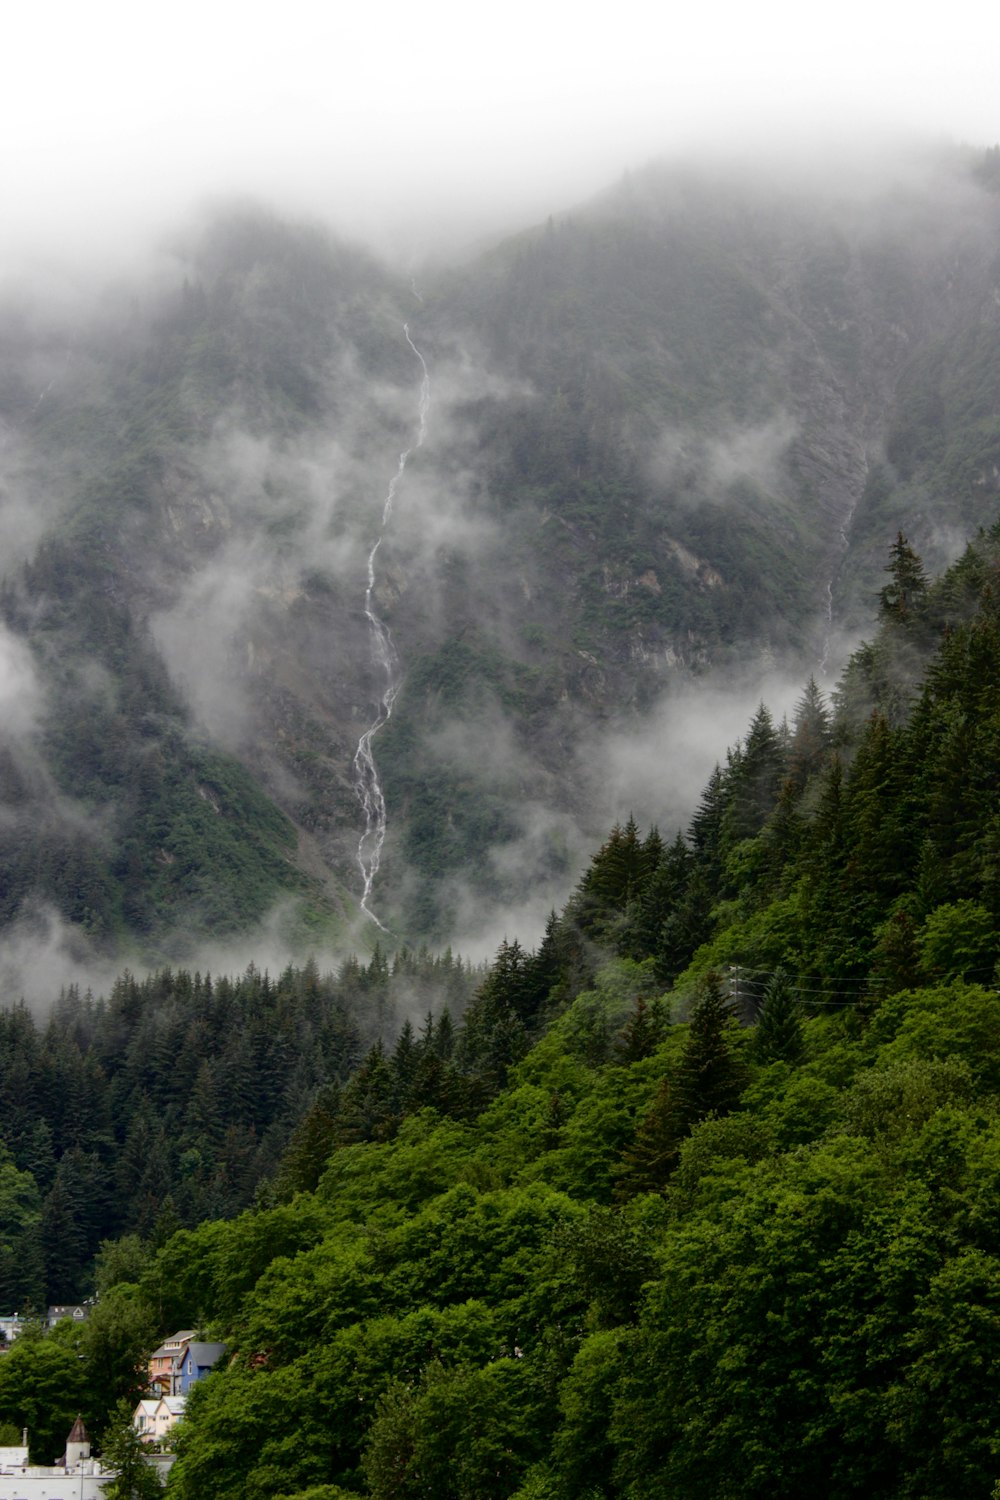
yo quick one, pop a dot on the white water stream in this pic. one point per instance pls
(366, 778)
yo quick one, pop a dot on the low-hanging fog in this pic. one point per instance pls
(422, 127)
(426, 134)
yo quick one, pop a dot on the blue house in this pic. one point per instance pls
(193, 1363)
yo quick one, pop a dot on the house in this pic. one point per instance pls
(75, 1310)
(79, 1475)
(194, 1363)
(11, 1327)
(169, 1411)
(156, 1415)
(144, 1418)
(161, 1362)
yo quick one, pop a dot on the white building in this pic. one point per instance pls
(78, 1477)
(155, 1416)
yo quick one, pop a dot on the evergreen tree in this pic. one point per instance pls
(833, 909)
(615, 876)
(509, 985)
(707, 825)
(778, 1035)
(311, 1146)
(651, 1157)
(564, 963)
(907, 586)
(811, 736)
(755, 777)
(367, 1112)
(662, 894)
(895, 963)
(64, 1240)
(881, 852)
(686, 927)
(643, 1031)
(781, 842)
(444, 1036)
(709, 1079)
(710, 1076)
(405, 1058)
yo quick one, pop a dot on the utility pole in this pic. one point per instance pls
(742, 997)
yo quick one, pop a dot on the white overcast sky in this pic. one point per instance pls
(388, 118)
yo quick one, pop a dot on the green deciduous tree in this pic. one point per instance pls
(958, 940)
(464, 1432)
(22, 1273)
(42, 1387)
(122, 1454)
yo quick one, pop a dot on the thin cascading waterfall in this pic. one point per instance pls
(366, 778)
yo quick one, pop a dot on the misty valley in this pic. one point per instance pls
(500, 851)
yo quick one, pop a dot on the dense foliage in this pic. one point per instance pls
(171, 1101)
(699, 1198)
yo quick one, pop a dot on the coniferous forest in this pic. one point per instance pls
(698, 1195)
(696, 1199)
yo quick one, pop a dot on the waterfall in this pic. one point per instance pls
(366, 778)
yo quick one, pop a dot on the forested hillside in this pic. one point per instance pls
(172, 1100)
(695, 1199)
(667, 435)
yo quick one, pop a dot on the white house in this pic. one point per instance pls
(144, 1418)
(155, 1415)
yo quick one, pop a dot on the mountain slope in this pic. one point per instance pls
(669, 436)
(622, 1240)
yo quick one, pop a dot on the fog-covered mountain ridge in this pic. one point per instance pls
(669, 437)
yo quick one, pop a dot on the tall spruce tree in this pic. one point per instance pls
(651, 1157)
(811, 736)
(643, 1031)
(907, 584)
(778, 1037)
(709, 1079)
(755, 778)
(711, 1076)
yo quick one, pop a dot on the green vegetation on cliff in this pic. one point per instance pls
(698, 1199)
(665, 432)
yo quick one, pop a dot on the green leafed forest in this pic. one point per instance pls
(698, 1198)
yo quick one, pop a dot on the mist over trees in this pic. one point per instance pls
(668, 435)
(549, 1233)
(694, 1195)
